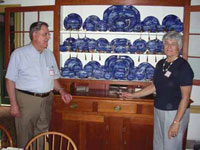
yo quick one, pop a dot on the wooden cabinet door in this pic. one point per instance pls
(138, 135)
(86, 135)
(95, 136)
(116, 140)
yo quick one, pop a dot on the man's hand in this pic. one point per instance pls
(14, 110)
(65, 96)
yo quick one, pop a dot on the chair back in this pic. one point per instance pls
(51, 141)
(5, 138)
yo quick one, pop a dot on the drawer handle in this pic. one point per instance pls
(117, 108)
(73, 106)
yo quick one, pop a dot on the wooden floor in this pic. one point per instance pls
(7, 121)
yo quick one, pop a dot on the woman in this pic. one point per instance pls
(172, 83)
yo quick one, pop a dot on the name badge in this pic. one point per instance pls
(168, 73)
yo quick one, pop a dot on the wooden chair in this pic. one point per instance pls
(51, 141)
(5, 138)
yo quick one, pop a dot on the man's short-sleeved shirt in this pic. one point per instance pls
(168, 91)
(33, 71)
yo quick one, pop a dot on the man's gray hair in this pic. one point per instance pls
(173, 35)
(36, 26)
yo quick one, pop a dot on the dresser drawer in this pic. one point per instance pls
(76, 105)
(117, 107)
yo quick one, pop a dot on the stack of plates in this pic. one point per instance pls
(144, 71)
(73, 64)
(119, 66)
(120, 45)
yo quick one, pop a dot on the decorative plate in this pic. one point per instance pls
(139, 45)
(71, 62)
(69, 43)
(149, 23)
(121, 17)
(92, 44)
(120, 45)
(172, 20)
(155, 46)
(102, 26)
(91, 22)
(73, 22)
(102, 44)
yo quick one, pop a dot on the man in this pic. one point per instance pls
(31, 76)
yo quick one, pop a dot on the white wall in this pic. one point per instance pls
(194, 124)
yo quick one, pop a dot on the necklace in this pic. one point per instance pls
(166, 68)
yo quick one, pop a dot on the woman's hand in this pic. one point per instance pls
(173, 130)
(125, 95)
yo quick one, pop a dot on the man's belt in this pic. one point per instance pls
(35, 94)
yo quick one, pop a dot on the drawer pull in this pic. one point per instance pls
(73, 106)
(117, 108)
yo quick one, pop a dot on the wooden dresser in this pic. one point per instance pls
(97, 120)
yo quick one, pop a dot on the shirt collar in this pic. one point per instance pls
(35, 51)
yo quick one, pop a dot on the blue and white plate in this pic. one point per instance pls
(137, 27)
(92, 44)
(108, 75)
(160, 28)
(82, 74)
(72, 62)
(91, 66)
(149, 23)
(121, 17)
(109, 60)
(155, 46)
(98, 73)
(139, 45)
(91, 23)
(69, 43)
(63, 48)
(128, 61)
(119, 75)
(81, 44)
(120, 45)
(172, 22)
(102, 26)
(73, 22)
(102, 44)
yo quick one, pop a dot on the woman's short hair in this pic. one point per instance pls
(36, 26)
(173, 35)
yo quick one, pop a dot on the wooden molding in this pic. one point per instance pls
(2, 7)
(195, 109)
(120, 2)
